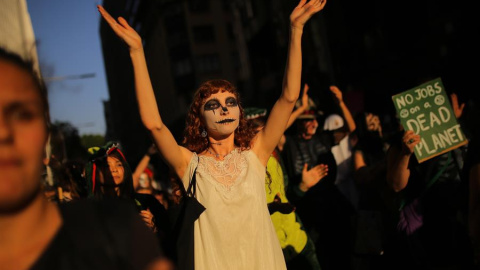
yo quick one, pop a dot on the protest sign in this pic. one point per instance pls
(426, 110)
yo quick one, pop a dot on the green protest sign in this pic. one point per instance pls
(426, 110)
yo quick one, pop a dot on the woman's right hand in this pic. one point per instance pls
(123, 30)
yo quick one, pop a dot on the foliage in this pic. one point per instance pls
(90, 140)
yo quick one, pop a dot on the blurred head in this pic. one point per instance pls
(257, 117)
(373, 123)
(24, 122)
(307, 122)
(162, 196)
(307, 127)
(216, 109)
(335, 124)
(310, 113)
(146, 179)
(145, 182)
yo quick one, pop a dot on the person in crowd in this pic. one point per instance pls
(235, 231)
(63, 181)
(145, 182)
(471, 171)
(369, 153)
(430, 233)
(372, 219)
(143, 174)
(164, 197)
(342, 142)
(297, 246)
(324, 210)
(109, 176)
(36, 233)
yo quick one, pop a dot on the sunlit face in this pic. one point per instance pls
(23, 136)
(116, 169)
(221, 114)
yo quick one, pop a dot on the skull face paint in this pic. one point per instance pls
(221, 114)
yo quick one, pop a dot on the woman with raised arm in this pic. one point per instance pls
(235, 231)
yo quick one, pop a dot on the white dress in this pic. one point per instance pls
(235, 232)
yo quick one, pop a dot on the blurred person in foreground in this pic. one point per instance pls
(36, 233)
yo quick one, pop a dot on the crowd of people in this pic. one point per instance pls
(283, 188)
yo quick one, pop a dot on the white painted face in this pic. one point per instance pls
(144, 181)
(221, 114)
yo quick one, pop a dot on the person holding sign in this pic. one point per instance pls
(429, 234)
(426, 111)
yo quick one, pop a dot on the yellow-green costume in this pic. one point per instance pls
(287, 227)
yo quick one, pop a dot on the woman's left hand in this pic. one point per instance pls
(123, 30)
(304, 11)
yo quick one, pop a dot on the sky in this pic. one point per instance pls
(68, 46)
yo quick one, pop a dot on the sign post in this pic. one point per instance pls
(426, 110)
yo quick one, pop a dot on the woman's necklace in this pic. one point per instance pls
(217, 143)
(216, 155)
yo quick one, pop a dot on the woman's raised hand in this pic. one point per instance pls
(123, 30)
(304, 11)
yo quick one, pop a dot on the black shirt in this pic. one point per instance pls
(107, 234)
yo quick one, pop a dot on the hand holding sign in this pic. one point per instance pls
(426, 111)
(409, 141)
(457, 109)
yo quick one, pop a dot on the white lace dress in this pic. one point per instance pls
(235, 232)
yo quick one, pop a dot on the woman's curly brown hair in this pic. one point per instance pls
(193, 139)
